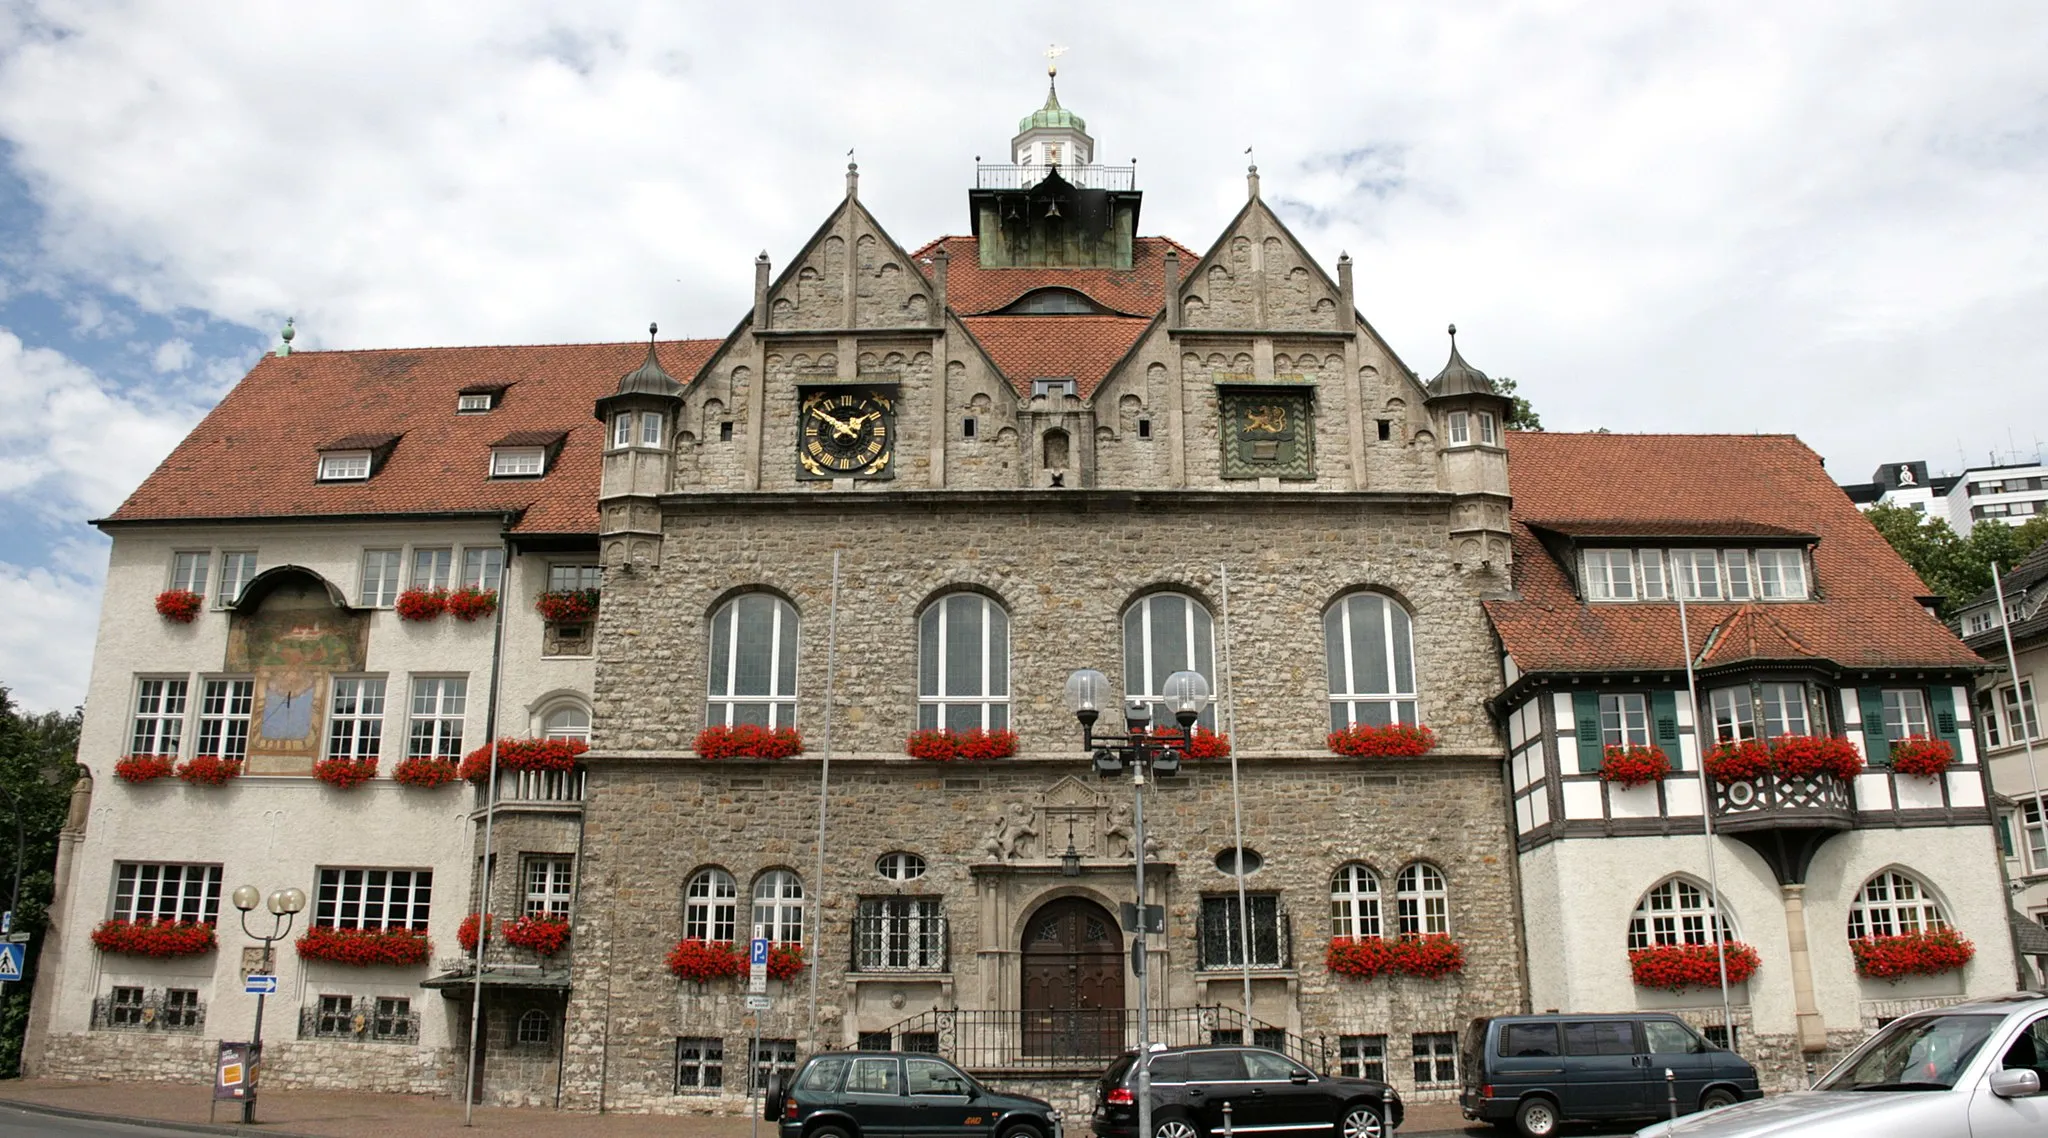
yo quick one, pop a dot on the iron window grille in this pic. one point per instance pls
(128, 1008)
(1436, 1059)
(378, 1019)
(1220, 942)
(899, 934)
(700, 1064)
(1362, 1057)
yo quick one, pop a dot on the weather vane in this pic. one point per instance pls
(1052, 58)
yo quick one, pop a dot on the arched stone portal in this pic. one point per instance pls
(1073, 979)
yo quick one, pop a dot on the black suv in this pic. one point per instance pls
(1269, 1095)
(889, 1094)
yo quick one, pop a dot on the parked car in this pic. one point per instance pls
(1536, 1072)
(1971, 1070)
(889, 1094)
(1267, 1093)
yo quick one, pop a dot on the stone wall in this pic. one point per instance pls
(387, 1068)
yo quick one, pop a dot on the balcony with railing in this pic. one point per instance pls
(1086, 1039)
(541, 790)
(1780, 801)
(1082, 177)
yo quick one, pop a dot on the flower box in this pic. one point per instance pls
(567, 606)
(1922, 756)
(161, 939)
(545, 935)
(1737, 761)
(1634, 766)
(345, 772)
(1399, 740)
(426, 772)
(750, 742)
(1431, 957)
(471, 603)
(212, 770)
(1803, 756)
(180, 605)
(702, 960)
(365, 948)
(942, 745)
(1207, 744)
(1928, 953)
(524, 755)
(465, 933)
(785, 961)
(145, 768)
(1676, 967)
(421, 604)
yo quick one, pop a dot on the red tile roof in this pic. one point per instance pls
(254, 455)
(1865, 614)
(1083, 348)
(974, 291)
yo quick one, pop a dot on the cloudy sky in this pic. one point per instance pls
(1822, 218)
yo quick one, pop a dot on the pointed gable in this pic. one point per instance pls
(850, 274)
(1257, 275)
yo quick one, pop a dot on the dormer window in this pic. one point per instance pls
(473, 404)
(345, 466)
(1053, 302)
(518, 462)
(1701, 574)
(1041, 388)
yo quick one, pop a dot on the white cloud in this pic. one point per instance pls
(172, 355)
(71, 446)
(47, 639)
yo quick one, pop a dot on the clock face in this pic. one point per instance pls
(842, 433)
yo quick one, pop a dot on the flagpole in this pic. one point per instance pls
(814, 933)
(1244, 928)
(1692, 695)
(2012, 665)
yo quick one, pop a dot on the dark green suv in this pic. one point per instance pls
(890, 1094)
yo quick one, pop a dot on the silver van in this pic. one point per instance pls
(1536, 1072)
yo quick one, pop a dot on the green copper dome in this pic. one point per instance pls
(1052, 116)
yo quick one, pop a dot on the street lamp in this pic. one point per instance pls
(1141, 747)
(284, 904)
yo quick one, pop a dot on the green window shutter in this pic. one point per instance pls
(1586, 708)
(2005, 843)
(1942, 707)
(1874, 740)
(1664, 724)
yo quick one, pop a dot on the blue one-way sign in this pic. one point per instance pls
(10, 961)
(259, 984)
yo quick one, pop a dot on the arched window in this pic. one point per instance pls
(566, 721)
(963, 664)
(1893, 903)
(779, 906)
(711, 906)
(1372, 662)
(1422, 903)
(1166, 633)
(900, 866)
(753, 663)
(1675, 911)
(536, 1027)
(1354, 902)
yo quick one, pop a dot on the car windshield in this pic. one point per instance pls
(1918, 1054)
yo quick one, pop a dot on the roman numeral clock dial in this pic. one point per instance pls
(845, 433)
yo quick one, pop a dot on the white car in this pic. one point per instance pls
(1972, 1070)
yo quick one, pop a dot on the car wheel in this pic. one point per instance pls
(1717, 1098)
(1536, 1118)
(771, 1103)
(1175, 1128)
(1023, 1130)
(829, 1132)
(1361, 1121)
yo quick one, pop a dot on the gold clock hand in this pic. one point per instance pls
(837, 426)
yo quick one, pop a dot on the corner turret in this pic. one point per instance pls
(640, 419)
(1470, 419)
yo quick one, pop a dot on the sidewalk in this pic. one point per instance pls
(347, 1114)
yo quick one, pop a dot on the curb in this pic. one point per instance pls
(135, 1120)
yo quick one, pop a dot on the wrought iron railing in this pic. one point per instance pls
(541, 786)
(360, 1022)
(899, 939)
(176, 1010)
(1087, 1038)
(1085, 177)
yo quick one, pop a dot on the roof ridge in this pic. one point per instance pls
(494, 347)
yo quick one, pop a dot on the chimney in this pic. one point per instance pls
(941, 262)
(1172, 289)
(1347, 308)
(761, 292)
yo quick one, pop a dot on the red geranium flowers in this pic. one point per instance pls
(1676, 967)
(524, 755)
(1431, 957)
(1930, 952)
(1792, 756)
(180, 605)
(1395, 741)
(145, 768)
(161, 939)
(1634, 766)
(426, 771)
(746, 741)
(345, 772)
(365, 948)
(941, 745)
(212, 770)
(1920, 755)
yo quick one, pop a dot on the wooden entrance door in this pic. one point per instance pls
(1073, 981)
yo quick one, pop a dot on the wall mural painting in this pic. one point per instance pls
(294, 640)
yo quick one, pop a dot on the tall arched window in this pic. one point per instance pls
(753, 662)
(1675, 911)
(566, 721)
(1422, 902)
(1354, 902)
(963, 664)
(779, 906)
(1893, 903)
(1368, 641)
(1166, 633)
(711, 906)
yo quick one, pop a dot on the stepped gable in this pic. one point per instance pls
(974, 291)
(1639, 487)
(1083, 348)
(255, 454)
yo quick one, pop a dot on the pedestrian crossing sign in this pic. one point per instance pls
(10, 961)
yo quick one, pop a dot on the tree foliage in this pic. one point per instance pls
(1521, 416)
(38, 764)
(1956, 568)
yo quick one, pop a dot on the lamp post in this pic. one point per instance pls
(284, 905)
(1140, 747)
